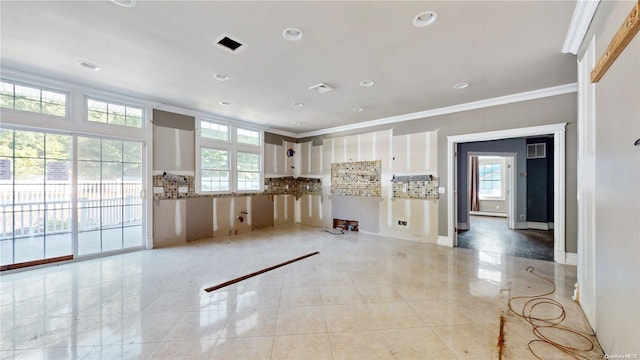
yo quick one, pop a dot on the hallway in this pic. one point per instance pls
(491, 234)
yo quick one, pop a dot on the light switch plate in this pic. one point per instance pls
(441, 190)
(158, 189)
(183, 189)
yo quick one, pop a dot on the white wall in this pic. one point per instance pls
(617, 186)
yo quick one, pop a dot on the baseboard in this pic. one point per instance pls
(488, 213)
(445, 241)
(521, 226)
(463, 226)
(537, 225)
(571, 259)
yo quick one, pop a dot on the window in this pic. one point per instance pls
(114, 114)
(248, 137)
(490, 175)
(214, 170)
(248, 171)
(214, 131)
(26, 98)
(229, 158)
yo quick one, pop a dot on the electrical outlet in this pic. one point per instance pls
(402, 222)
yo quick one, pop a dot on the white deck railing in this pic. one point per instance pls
(36, 209)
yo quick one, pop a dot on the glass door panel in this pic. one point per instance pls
(35, 196)
(109, 204)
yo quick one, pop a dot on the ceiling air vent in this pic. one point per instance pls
(229, 44)
(321, 88)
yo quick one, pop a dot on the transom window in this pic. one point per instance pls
(114, 114)
(214, 131)
(32, 99)
(250, 137)
(229, 158)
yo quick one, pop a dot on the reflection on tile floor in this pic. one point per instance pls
(362, 297)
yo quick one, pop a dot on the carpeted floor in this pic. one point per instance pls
(491, 234)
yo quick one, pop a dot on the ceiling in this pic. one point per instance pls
(166, 52)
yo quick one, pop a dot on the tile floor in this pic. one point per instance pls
(362, 297)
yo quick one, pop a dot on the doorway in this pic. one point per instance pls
(487, 216)
(558, 132)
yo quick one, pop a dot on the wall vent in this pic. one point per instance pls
(229, 44)
(536, 151)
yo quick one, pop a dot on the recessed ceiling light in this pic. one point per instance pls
(298, 124)
(367, 83)
(461, 85)
(292, 34)
(125, 3)
(297, 104)
(358, 109)
(221, 77)
(425, 18)
(89, 65)
(225, 103)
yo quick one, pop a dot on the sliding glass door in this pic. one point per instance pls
(48, 214)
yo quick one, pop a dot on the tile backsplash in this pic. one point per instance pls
(174, 186)
(415, 187)
(289, 185)
(361, 178)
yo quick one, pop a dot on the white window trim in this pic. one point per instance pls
(233, 147)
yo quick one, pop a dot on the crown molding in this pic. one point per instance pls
(582, 16)
(502, 100)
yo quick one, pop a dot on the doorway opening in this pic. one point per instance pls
(501, 208)
(558, 181)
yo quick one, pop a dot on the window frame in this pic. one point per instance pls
(233, 147)
(490, 160)
(67, 99)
